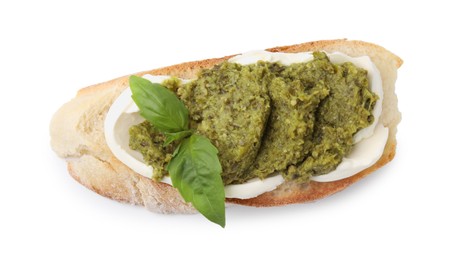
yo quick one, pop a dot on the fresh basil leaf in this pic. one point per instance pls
(171, 137)
(196, 172)
(159, 105)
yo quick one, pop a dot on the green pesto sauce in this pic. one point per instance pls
(266, 118)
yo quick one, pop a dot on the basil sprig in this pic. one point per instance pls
(195, 169)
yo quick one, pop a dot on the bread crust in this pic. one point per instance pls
(77, 135)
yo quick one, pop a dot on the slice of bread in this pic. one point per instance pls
(77, 135)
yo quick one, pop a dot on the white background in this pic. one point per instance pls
(50, 49)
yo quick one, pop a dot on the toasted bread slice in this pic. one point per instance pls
(77, 135)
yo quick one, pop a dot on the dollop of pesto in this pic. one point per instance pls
(267, 118)
(150, 142)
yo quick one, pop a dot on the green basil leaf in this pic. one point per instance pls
(196, 172)
(171, 137)
(159, 105)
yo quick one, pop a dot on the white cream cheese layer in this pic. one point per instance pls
(370, 142)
